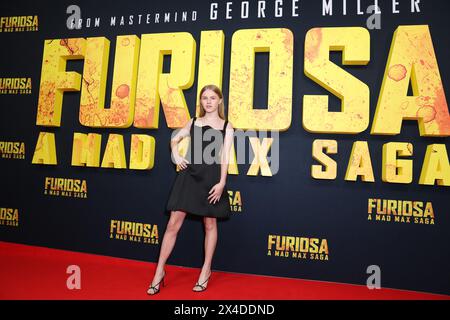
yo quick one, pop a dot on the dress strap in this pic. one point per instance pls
(225, 125)
(193, 121)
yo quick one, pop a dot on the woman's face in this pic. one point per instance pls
(210, 101)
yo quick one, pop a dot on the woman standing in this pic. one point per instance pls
(200, 187)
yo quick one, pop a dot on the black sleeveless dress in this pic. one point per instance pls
(191, 188)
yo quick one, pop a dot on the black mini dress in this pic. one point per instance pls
(191, 188)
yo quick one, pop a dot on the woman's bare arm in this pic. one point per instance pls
(183, 132)
(225, 158)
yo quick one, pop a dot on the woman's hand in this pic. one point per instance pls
(180, 161)
(216, 192)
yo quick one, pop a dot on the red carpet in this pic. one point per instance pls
(28, 272)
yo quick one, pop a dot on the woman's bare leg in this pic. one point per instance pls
(210, 247)
(168, 242)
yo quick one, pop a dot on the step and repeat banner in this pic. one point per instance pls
(340, 168)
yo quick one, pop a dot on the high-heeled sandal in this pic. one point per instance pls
(202, 286)
(157, 287)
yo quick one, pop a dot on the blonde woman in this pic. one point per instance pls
(200, 187)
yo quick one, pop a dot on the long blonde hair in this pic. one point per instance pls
(217, 90)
